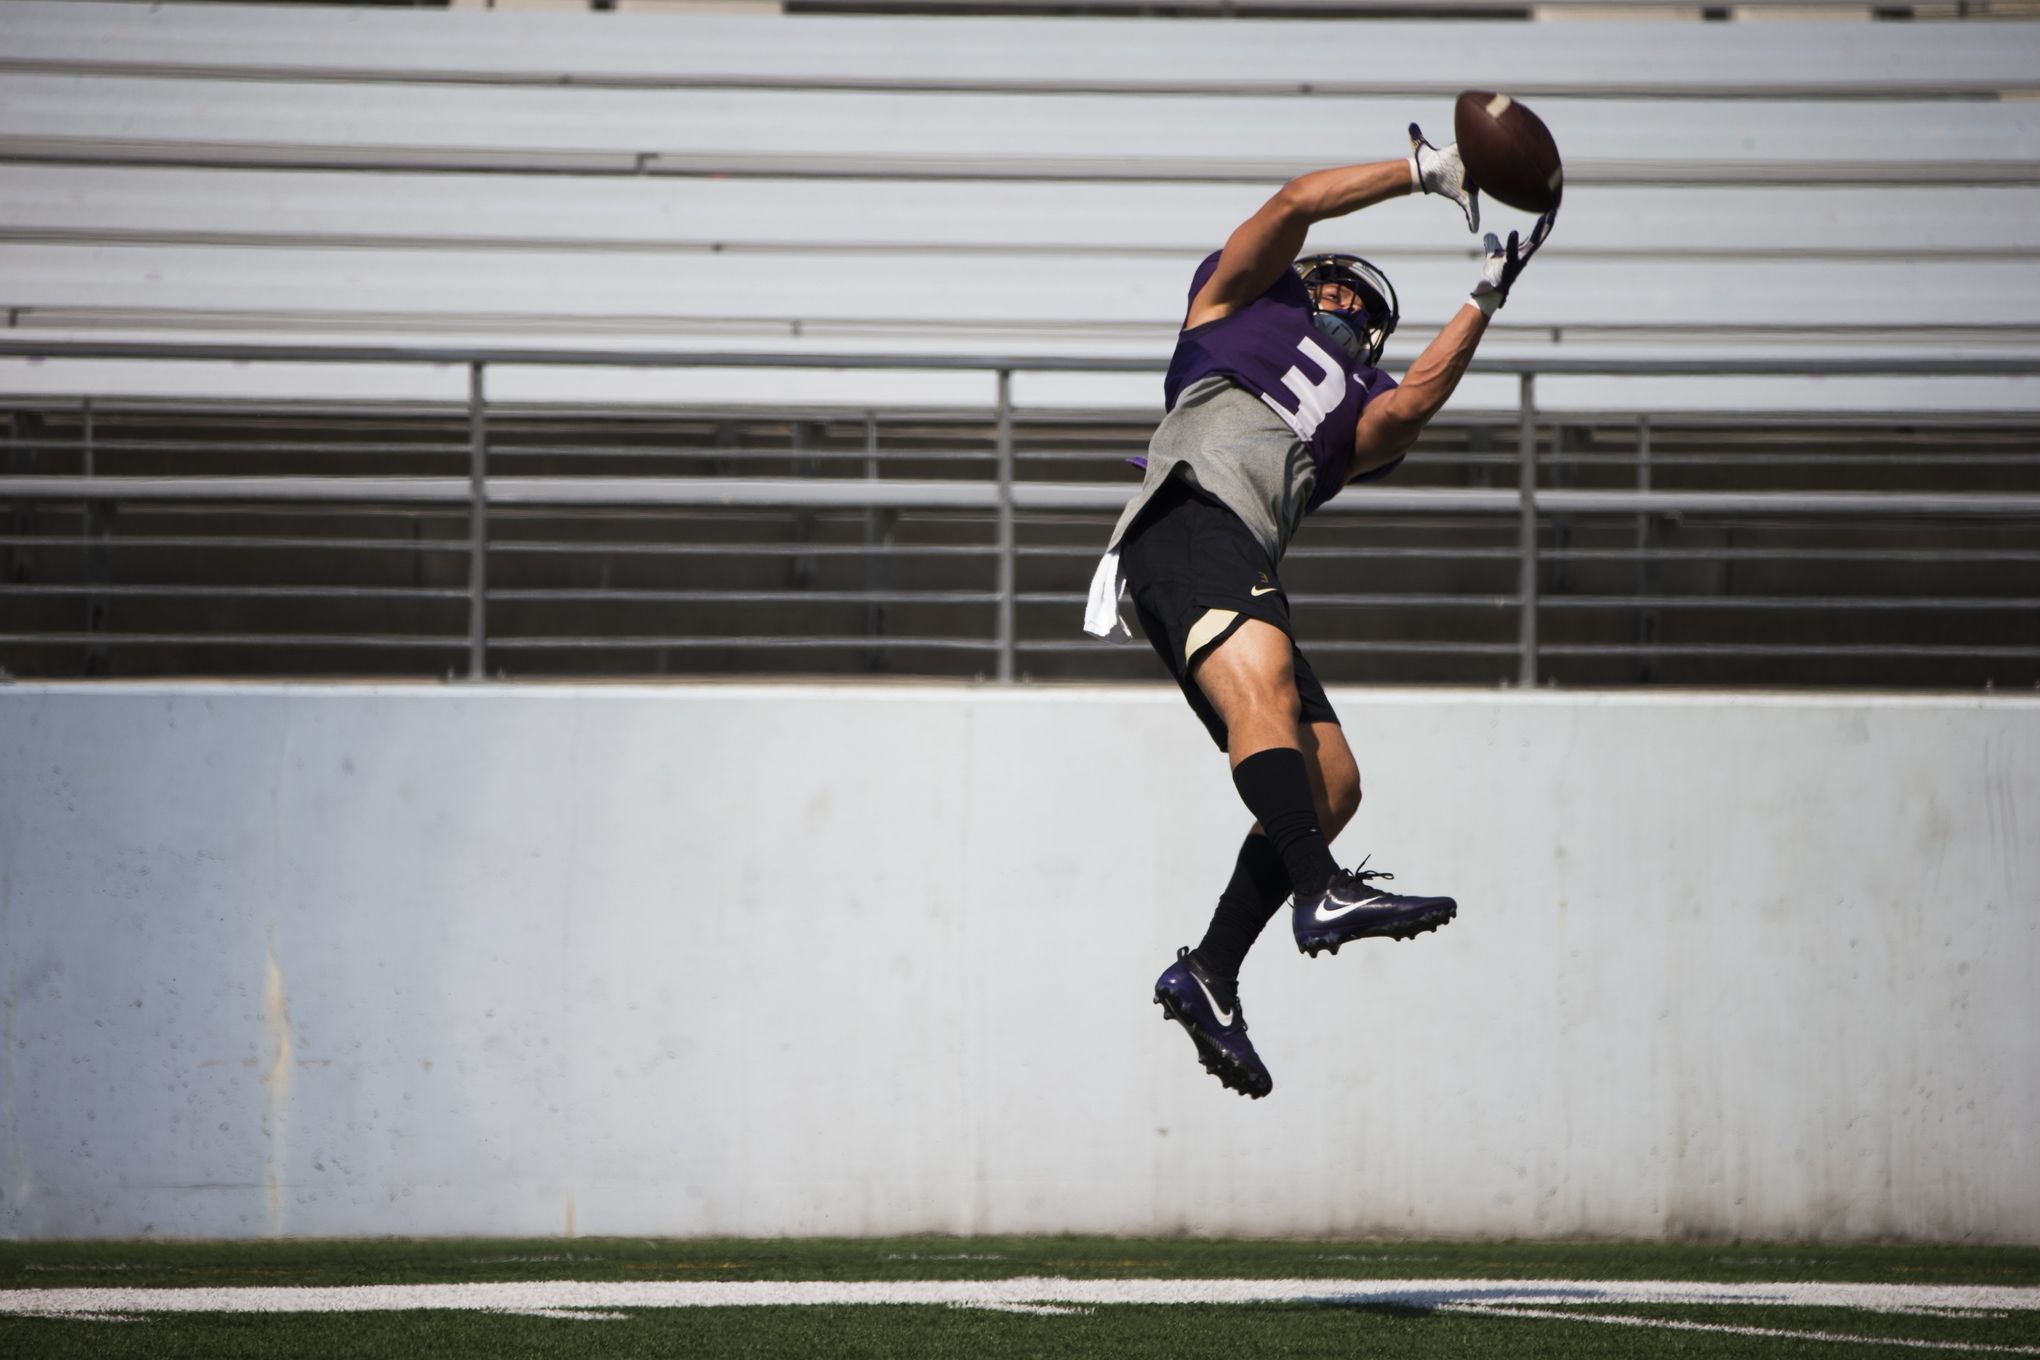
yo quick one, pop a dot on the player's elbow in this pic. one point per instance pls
(1374, 457)
(1398, 421)
(1387, 432)
(1296, 201)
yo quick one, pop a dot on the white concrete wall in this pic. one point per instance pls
(728, 959)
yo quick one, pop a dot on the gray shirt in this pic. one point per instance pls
(1235, 448)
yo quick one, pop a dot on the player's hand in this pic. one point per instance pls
(1442, 172)
(1504, 264)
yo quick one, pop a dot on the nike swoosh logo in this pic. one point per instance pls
(1262, 590)
(1324, 915)
(1224, 1016)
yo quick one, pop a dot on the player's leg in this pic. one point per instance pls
(1201, 997)
(1249, 679)
(1197, 577)
(1260, 881)
(1334, 773)
(1354, 905)
(1292, 768)
(1333, 906)
(1200, 990)
(1205, 592)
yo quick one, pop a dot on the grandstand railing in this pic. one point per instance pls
(1003, 496)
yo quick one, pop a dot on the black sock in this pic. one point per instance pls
(1260, 882)
(1275, 785)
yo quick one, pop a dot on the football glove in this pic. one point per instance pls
(1438, 171)
(1505, 263)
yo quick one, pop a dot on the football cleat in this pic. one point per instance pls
(1209, 1011)
(1352, 908)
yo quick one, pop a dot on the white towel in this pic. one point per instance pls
(1101, 612)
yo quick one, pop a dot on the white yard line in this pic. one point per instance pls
(1674, 1325)
(525, 1296)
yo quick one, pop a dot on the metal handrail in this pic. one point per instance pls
(1560, 366)
(901, 494)
(479, 491)
(1087, 551)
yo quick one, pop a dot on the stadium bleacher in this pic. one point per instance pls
(880, 149)
(798, 184)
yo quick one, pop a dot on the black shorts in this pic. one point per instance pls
(1196, 574)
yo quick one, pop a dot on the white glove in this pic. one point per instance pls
(1438, 171)
(1503, 264)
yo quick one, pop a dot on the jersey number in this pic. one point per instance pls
(1314, 400)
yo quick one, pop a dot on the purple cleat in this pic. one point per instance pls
(1352, 908)
(1209, 1010)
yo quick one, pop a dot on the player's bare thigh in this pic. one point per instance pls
(1251, 682)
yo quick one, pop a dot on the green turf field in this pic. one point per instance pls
(995, 1297)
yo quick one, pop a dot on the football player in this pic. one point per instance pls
(1275, 403)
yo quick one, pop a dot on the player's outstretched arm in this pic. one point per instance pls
(1391, 422)
(1267, 243)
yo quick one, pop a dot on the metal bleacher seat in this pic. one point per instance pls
(1001, 186)
(730, 51)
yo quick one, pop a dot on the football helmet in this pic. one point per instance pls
(1362, 330)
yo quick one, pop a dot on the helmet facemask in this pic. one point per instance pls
(1359, 322)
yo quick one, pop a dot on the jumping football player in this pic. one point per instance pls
(1274, 404)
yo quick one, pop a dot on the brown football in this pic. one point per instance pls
(1508, 151)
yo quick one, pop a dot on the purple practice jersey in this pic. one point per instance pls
(1271, 348)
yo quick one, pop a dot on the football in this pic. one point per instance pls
(1508, 151)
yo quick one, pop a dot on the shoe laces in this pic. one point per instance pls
(1361, 874)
